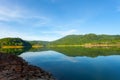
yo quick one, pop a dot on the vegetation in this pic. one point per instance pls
(13, 43)
(17, 43)
(67, 45)
(38, 49)
(88, 39)
(15, 51)
(36, 44)
(89, 52)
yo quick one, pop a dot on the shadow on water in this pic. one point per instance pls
(90, 52)
(69, 51)
(67, 63)
(38, 49)
(15, 51)
(18, 51)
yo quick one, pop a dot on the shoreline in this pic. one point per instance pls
(87, 45)
(13, 67)
(62, 45)
(12, 46)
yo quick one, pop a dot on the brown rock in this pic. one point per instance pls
(15, 68)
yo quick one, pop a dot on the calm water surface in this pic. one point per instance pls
(65, 67)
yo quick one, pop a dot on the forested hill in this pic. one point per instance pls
(88, 38)
(38, 43)
(13, 42)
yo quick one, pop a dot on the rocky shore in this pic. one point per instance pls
(15, 68)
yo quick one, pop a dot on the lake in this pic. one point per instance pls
(76, 63)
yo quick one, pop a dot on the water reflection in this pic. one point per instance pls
(16, 51)
(70, 51)
(90, 52)
(76, 68)
(74, 63)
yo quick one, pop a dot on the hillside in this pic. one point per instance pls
(87, 39)
(6, 42)
(38, 43)
(71, 40)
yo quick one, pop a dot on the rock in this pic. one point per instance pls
(15, 68)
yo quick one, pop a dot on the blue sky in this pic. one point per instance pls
(53, 19)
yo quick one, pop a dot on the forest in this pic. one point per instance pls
(87, 39)
(4, 42)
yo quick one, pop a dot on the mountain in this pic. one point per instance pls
(38, 43)
(14, 42)
(88, 38)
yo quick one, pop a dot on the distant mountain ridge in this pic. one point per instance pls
(87, 38)
(67, 40)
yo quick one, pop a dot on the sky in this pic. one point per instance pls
(49, 20)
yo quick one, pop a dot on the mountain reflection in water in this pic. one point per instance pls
(74, 63)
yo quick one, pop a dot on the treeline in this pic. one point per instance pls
(88, 38)
(92, 39)
(39, 43)
(14, 42)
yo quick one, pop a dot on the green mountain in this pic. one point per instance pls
(42, 43)
(88, 38)
(14, 42)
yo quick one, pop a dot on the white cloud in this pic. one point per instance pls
(28, 18)
(8, 13)
(7, 32)
(73, 31)
(21, 15)
(4, 32)
(62, 33)
(71, 59)
(42, 21)
(42, 38)
(24, 17)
